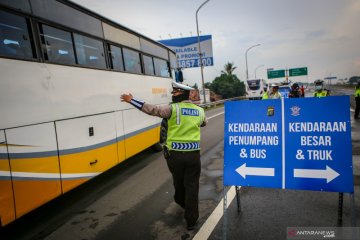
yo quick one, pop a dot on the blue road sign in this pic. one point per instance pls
(253, 143)
(306, 146)
(318, 146)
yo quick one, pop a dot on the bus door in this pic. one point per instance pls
(34, 164)
(87, 147)
(7, 209)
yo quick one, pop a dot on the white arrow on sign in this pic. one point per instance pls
(243, 171)
(329, 174)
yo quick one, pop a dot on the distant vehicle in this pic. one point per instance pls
(284, 90)
(255, 88)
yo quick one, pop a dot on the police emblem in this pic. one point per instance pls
(295, 111)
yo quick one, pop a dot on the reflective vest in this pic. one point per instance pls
(184, 127)
(321, 94)
(357, 92)
(275, 95)
(265, 95)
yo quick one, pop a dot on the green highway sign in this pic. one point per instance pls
(276, 74)
(293, 72)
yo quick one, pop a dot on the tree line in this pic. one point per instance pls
(228, 85)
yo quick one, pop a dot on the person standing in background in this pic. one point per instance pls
(357, 101)
(274, 93)
(265, 94)
(319, 89)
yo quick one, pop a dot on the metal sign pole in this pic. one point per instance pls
(237, 189)
(225, 215)
(340, 208)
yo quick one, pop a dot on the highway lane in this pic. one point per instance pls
(131, 201)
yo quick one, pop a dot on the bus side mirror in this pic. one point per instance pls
(179, 76)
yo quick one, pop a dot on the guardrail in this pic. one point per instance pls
(214, 104)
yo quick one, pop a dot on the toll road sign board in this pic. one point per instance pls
(293, 72)
(318, 144)
(276, 74)
(253, 143)
(295, 143)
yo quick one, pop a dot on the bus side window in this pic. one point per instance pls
(15, 39)
(148, 65)
(116, 58)
(89, 52)
(161, 68)
(132, 61)
(58, 46)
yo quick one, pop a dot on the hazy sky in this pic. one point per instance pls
(323, 35)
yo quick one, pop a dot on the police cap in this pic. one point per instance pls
(318, 82)
(177, 86)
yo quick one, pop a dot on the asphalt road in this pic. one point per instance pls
(134, 201)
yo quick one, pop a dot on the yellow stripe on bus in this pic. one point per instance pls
(42, 165)
(33, 192)
(137, 143)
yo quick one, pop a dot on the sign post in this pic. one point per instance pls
(289, 144)
(253, 144)
(319, 155)
(293, 143)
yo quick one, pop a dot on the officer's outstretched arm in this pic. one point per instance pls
(129, 99)
(163, 111)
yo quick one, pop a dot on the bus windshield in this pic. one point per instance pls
(254, 84)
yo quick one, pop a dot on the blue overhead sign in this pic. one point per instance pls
(313, 150)
(187, 51)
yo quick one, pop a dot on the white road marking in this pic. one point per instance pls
(215, 115)
(207, 228)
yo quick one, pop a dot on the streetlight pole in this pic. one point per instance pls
(199, 47)
(247, 72)
(257, 68)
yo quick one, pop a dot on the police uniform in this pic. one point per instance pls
(274, 95)
(265, 96)
(357, 101)
(319, 89)
(323, 93)
(183, 146)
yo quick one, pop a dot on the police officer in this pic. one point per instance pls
(319, 89)
(274, 94)
(295, 91)
(182, 150)
(265, 94)
(357, 100)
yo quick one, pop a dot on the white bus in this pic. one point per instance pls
(62, 123)
(255, 88)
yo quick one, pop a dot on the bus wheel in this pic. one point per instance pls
(157, 147)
